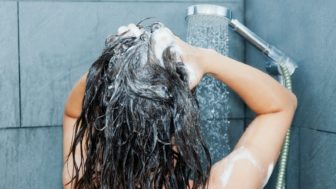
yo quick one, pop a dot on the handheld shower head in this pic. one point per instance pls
(277, 56)
(208, 9)
(272, 52)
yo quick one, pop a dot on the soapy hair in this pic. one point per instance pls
(134, 111)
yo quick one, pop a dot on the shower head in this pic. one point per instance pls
(208, 9)
(204, 11)
(272, 52)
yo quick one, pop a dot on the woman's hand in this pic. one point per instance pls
(191, 56)
(161, 38)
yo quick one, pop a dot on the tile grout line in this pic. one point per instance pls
(299, 149)
(19, 61)
(31, 127)
(319, 130)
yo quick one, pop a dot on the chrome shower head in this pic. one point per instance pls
(208, 10)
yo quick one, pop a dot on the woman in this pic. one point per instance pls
(248, 166)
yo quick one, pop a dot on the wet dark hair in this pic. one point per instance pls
(132, 109)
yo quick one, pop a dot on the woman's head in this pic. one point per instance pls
(136, 101)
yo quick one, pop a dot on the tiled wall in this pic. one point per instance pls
(305, 30)
(45, 46)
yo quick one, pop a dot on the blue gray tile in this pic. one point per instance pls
(41, 158)
(33, 158)
(60, 40)
(9, 74)
(9, 158)
(318, 169)
(304, 31)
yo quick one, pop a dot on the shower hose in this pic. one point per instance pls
(280, 181)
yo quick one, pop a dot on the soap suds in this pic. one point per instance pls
(241, 153)
(163, 38)
(191, 74)
(269, 173)
(122, 29)
(131, 29)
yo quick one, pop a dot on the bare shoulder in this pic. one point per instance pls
(73, 104)
(72, 110)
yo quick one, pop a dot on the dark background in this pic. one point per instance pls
(45, 46)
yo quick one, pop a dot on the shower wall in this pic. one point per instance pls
(305, 30)
(45, 46)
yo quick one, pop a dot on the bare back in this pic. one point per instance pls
(248, 162)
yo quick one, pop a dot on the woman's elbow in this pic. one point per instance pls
(286, 102)
(292, 101)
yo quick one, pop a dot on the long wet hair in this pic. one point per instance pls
(134, 111)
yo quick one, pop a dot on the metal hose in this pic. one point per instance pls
(280, 184)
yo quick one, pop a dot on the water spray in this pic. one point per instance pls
(280, 65)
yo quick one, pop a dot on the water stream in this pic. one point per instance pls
(213, 95)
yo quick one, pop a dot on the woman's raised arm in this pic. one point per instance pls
(253, 158)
